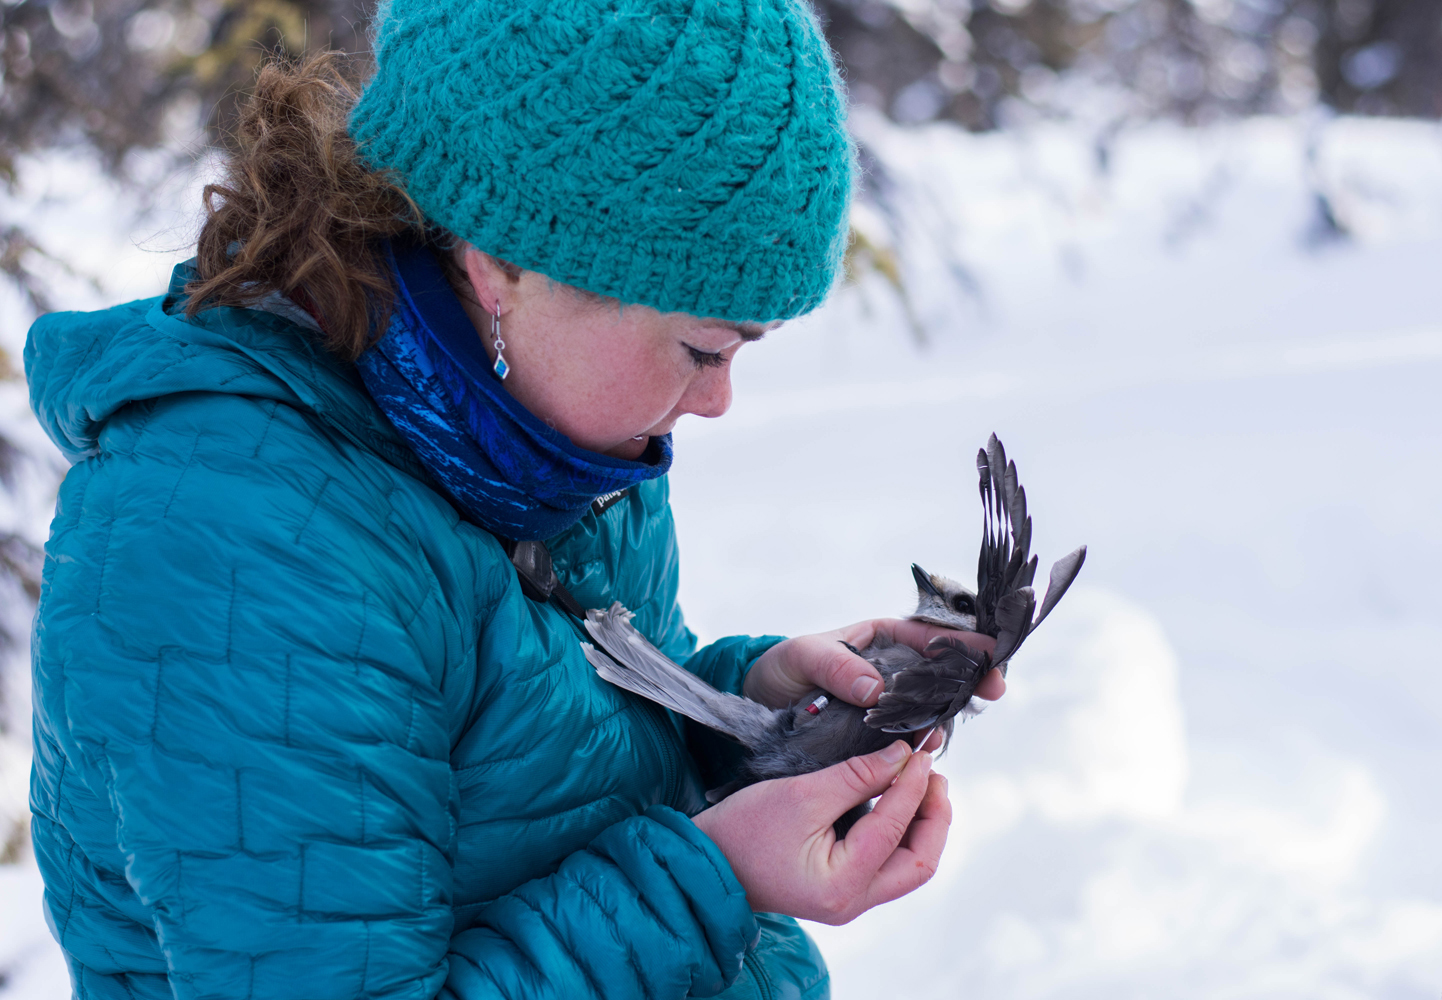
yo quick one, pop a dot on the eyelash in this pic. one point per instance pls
(704, 360)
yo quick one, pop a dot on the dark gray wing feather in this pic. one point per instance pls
(1063, 572)
(637, 666)
(932, 690)
(1013, 621)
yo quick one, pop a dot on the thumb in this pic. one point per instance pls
(848, 675)
(835, 789)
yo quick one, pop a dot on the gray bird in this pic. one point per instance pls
(923, 691)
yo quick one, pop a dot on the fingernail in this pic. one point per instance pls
(861, 689)
(925, 760)
(895, 752)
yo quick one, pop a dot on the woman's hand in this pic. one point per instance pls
(778, 836)
(789, 670)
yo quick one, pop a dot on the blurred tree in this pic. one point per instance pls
(1380, 57)
(19, 578)
(109, 73)
(971, 61)
(115, 76)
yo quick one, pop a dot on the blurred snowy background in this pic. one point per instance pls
(1215, 773)
(1183, 258)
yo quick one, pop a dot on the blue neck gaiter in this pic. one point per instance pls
(507, 470)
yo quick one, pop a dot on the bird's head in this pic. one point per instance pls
(943, 602)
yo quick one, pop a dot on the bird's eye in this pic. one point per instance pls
(963, 604)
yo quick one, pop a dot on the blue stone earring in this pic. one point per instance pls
(501, 367)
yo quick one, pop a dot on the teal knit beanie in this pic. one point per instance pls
(688, 155)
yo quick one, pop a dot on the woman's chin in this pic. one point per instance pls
(631, 449)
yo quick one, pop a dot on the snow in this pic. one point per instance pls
(30, 963)
(1213, 774)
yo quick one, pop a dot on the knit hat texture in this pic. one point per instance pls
(688, 155)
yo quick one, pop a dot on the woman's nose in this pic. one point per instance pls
(709, 395)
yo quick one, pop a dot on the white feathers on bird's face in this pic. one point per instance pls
(944, 602)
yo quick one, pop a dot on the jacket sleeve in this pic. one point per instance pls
(248, 669)
(723, 664)
(650, 909)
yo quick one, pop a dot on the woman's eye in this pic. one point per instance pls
(704, 359)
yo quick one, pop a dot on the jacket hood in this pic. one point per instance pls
(84, 367)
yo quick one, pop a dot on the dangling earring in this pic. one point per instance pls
(501, 367)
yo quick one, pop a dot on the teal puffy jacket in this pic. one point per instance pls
(299, 734)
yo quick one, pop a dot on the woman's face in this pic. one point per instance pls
(605, 375)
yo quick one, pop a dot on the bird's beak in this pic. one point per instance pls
(923, 581)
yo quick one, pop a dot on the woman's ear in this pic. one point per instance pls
(487, 278)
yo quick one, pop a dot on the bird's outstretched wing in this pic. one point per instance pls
(628, 660)
(1006, 568)
(1006, 563)
(933, 690)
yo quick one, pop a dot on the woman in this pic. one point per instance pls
(300, 731)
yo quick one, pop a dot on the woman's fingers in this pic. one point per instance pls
(875, 836)
(914, 861)
(835, 789)
(926, 836)
(845, 674)
(917, 634)
(851, 677)
(778, 835)
(992, 686)
(790, 670)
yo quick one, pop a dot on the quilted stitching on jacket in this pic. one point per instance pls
(298, 732)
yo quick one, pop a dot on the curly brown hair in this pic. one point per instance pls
(299, 213)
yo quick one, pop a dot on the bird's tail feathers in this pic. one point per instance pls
(627, 659)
